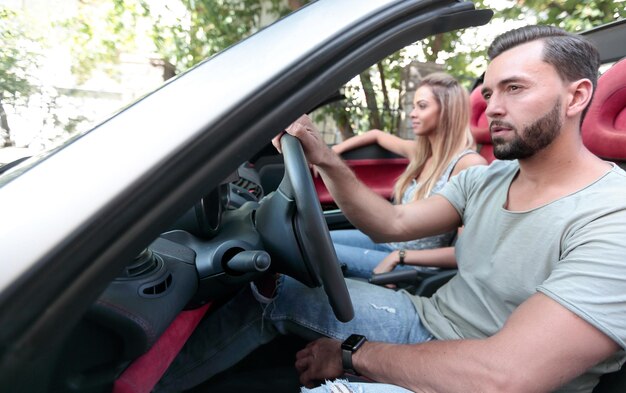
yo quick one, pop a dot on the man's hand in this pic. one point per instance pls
(313, 144)
(318, 361)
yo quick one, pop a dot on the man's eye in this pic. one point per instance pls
(487, 96)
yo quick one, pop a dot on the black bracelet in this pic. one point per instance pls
(401, 255)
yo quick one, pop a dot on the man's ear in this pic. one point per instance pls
(580, 93)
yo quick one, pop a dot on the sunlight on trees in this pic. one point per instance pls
(177, 34)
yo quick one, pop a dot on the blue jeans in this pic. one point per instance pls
(359, 253)
(342, 386)
(238, 327)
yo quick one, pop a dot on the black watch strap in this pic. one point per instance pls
(401, 255)
(349, 347)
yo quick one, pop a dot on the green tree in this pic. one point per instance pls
(189, 31)
(17, 60)
(100, 33)
(183, 32)
(572, 15)
(207, 27)
(466, 59)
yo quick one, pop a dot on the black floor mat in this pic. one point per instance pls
(270, 368)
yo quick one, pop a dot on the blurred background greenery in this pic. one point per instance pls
(67, 64)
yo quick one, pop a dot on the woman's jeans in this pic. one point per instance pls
(238, 327)
(358, 253)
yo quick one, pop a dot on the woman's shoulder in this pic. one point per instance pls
(472, 158)
(466, 159)
(490, 176)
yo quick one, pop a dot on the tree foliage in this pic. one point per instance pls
(207, 27)
(18, 57)
(100, 33)
(184, 32)
(466, 58)
(571, 15)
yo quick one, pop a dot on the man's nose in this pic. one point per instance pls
(495, 107)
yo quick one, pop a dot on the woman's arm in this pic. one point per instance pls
(443, 257)
(394, 144)
(437, 257)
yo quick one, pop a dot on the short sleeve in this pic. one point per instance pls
(460, 187)
(590, 277)
(455, 191)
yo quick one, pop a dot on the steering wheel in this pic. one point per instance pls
(294, 232)
(315, 239)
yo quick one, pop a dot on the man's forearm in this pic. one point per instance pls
(363, 207)
(436, 366)
(508, 361)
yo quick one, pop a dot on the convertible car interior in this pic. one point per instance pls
(604, 133)
(113, 265)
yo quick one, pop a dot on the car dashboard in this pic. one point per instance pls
(206, 256)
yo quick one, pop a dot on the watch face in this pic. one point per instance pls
(353, 342)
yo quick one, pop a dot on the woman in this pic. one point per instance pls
(442, 148)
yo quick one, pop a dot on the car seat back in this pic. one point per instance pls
(604, 127)
(479, 125)
(612, 383)
(604, 134)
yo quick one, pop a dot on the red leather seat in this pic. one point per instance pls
(479, 125)
(378, 174)
(604, 126)
(604, 134)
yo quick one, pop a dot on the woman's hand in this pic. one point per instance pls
(320, 360)
(388, 264)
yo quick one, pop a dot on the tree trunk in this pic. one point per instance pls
(436, 45)
(397, 119)
(295, 4)
(5, 131)
(386, 116)
(370, 99)
(343, 122)
(169, 70)
(383, 84)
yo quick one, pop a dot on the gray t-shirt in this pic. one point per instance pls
(572, 250)
(436, 241)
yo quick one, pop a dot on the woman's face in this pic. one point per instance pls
(425, 113)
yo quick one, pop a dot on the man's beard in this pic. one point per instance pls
(533, 138)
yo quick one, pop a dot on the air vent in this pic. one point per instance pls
(159, 288)
(250, 186)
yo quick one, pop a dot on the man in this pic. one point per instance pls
(539, 303)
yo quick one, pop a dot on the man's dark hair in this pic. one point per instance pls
(572, 56)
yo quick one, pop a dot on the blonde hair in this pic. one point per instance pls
(451, 136)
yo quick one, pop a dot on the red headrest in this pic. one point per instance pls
(604, 126)
(479, 124)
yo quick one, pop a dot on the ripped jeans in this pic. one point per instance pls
(238, 327)
(343, 386)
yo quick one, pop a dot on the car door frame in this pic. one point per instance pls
(57, 284)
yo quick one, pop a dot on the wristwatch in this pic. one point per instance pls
(348, 347)
(401, 255)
